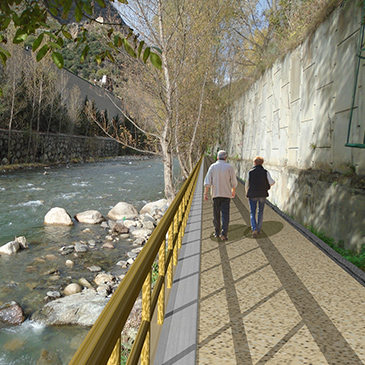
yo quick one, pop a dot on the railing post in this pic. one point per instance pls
(161, 272)
(146, 316)
(170, 247)
(181, 229)
(114, 358)
(177, 230)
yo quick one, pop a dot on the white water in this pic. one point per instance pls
(25, 197)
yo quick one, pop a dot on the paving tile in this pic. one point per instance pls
(274, 300)
(286, 302)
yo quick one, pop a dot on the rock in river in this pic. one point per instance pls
(120, 227)
(14, 246)
(58, 216)
(150, 207)
(90, 217)
(72, 288)
(123, 211)
(11, 313)
(78, 309)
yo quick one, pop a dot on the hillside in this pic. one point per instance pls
(89, 69)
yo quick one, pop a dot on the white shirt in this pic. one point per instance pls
(221, 178)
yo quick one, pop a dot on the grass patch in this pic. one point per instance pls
(356, 258)
(14, 167)
(154, 273)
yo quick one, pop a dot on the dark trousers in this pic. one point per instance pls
(221, 205)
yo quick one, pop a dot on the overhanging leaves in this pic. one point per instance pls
(38, 42)
(66, 34)
(3, 57)
(156, 60)
(146, 54)
(129, 48)
(140, 47)
(66, 8)
(101, 3)
(5, 22)
(42, 52)
(20, 36)
(84, 53)
(58, 59)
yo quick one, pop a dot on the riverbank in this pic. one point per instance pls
(27, 166)
(18, 147)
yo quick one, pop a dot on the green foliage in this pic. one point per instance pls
(76, 61)
(357, 258)
(154, 272)
(34, 26)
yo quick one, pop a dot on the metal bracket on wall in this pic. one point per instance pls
(361, 51)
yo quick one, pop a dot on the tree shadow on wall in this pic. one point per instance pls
(331, 203)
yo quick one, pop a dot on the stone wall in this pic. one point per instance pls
(296, 116)
(53, 148)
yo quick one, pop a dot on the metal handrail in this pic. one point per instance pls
(102, 343)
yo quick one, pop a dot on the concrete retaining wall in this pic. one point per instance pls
(296, 116)
(53, 148)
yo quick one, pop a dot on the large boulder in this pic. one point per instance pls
(11, 313)
(80, 309)
(141, 233)
(123, 211)
(153, 206)
(90, 217)
(58, 216)
(14, 246)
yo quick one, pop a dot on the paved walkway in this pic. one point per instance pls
(278, 299)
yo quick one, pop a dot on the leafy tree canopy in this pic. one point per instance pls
(32, 19)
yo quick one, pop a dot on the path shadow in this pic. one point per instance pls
(237, 231)
(269, 228)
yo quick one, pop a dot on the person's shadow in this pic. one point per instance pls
(238, 231)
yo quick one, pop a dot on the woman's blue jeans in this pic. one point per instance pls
(257, 224)
(221, 205)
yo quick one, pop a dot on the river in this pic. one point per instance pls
(25, 198)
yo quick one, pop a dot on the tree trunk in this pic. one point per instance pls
(31, 121)
(166, 137)
(167, 170)
(11, 117)
(38, 116)
(50, 116)
(197, 123)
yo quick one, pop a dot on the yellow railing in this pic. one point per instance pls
(102, 345)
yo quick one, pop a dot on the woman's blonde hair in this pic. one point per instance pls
(258, 160)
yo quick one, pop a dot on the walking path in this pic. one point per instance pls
(278, 299)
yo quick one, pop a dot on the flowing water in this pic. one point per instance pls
(25, 198)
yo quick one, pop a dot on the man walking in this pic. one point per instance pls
(221, 178)
(258, 183)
